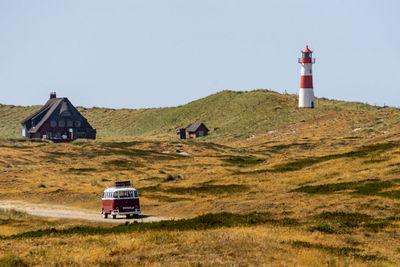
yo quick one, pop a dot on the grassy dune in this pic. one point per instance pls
(228, 114)
(303, 187)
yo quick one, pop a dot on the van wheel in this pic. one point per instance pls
(128, 216)
(105, 215)
(114, 216)
(136, 216)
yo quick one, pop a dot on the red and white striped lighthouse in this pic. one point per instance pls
(306, 94)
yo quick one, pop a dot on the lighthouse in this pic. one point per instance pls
(306, 93)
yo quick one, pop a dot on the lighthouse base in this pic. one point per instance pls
(306, 98)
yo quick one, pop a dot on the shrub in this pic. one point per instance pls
(12, 260)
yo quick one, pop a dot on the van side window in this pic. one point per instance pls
(116, 194)
(136, 194)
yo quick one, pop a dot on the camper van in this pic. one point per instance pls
(120, 199)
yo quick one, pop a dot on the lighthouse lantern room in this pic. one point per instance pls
(306, 93)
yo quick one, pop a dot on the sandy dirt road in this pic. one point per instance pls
(65, 212)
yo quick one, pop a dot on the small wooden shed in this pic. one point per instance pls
(181, 133)
(197, 129)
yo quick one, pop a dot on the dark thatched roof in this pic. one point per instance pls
(54, 109)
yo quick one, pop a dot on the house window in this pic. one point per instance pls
(70, 123)
(66, 114)
(77, 124)
(61, 123)
(53, 124)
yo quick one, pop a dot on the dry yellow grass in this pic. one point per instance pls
(266, 173)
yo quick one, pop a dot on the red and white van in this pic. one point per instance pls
(121, 199)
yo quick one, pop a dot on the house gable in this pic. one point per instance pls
(197, 129)
(58, 117)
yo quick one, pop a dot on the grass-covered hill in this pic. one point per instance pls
(314, 187)
(228, 114)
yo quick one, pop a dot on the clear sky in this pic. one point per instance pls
(157, 53)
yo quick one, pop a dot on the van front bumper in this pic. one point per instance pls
(117, 212)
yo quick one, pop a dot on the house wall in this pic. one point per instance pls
(91, 135)
(46, 127)
(203, 129)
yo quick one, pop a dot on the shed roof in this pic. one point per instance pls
(194, 126)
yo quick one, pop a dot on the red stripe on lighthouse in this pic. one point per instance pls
(306, 82)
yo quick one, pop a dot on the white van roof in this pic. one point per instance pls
(116, 189)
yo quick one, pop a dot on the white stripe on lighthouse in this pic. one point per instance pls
(306, 98)
(306, 69)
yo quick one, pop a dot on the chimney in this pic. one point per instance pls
(53, 95)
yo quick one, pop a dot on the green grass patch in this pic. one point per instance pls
(161, 238)
(210, 189)
(395, 170)
(12, 260)
(340, 251)
(361, 152)
(377, 225)
(337, 251)
(279, 148)
(391, 194)
(153, 188)
(200, 223)
(81, 170)
(242, 161)
(370, 187)
(375, 160)
(122, 164)
(204, 188)
(152, 178)
(236, 172)
(120, 144)
(344, 222)
(373, 188)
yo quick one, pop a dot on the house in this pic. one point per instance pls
(197, 129)
(58, 120)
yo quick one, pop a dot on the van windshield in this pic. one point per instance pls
(125, 194)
